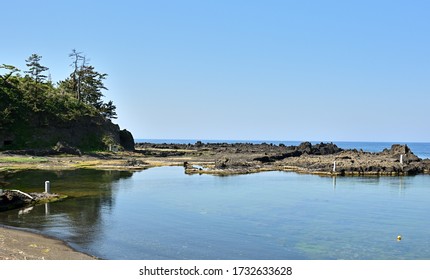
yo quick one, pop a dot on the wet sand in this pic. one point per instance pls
(23, 245)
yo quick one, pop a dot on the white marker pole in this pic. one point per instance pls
(334, 166)
(48, 187)
(401, 159)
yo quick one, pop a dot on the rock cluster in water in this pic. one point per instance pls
(322, 158)
(12, 199)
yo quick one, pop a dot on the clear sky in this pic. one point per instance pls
(262, 70)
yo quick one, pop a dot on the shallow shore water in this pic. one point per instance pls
(18, 244)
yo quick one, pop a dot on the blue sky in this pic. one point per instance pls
(264, 70)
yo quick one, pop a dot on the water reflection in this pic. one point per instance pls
(77, 219)
(26, 210)
(47, 208)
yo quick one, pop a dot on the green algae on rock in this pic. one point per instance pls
(12, 199)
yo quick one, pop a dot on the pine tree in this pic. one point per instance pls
(35, 71)
(77, 64)
(91, 86)
(108, 110)
(12, 69)
(86, 85)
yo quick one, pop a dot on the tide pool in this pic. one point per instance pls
(161, 213)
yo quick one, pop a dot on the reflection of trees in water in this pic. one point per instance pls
(78, 219)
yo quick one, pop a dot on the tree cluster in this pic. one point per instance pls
(29, 93)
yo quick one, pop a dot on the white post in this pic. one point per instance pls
(401, 159)
(48, 187)
(334, 166)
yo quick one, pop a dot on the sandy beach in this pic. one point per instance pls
(23, 245)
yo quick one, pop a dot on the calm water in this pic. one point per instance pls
(161, 213)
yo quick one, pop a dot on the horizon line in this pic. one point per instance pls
(271, 141)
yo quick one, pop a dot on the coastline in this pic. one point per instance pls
(220, 159)
(21, 244)
(231, 159)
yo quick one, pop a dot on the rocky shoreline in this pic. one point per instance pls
(321, 159)
(228, 159)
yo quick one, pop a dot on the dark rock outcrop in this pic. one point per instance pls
(12, 199)
(228, 163)
(325, 149)
(84, 133)
(396, 150)
(305, 148)
(322, 158)
(126, 140)
(396, 161)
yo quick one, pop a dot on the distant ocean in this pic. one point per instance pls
(420, 149)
